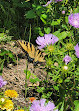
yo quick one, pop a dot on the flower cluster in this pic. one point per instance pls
(40, 105)
(77, 50)
(2, 82)
(74, 20)
(46, 40)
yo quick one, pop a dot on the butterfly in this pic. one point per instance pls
(33, 54)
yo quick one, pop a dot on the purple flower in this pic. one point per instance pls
(74, 20)
(77, 50)
(2, 83)
(47, 3)
(67, 59)
(46, 40)
(40, 105)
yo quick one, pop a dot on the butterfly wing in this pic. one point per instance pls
(32, 51)
(23, 45)
(39, 57)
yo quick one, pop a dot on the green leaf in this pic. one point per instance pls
(10, 55)
(62, 35)
(67, 80)
(44, 16)
(66, 2)
(34, 80)
(64, 26)
(30, 14)
(66, 19)
(40, 89)
(76, 102)
(3, 52)
(43, 20)
(56, 87)
(47, 30)
(40, 33)
(28, 74)
(76, 10)
(62, 107)
(56, 22)
(56, 32)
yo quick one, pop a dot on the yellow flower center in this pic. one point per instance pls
(50, 48)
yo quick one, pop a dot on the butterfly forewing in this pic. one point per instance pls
(23, 45)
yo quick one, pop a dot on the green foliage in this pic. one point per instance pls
(5, 57)
(76, 102)
(5, 37)
(31, 77)
(30, 14)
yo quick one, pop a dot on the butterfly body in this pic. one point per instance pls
(33, 54)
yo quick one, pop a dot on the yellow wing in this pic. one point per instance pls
(22, 45)
(34, 53)
(39, 57)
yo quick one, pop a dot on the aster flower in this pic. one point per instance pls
(67, 59)
(74, 20)
(11, 93)
(46, 40)
(77, 50)
(47, 3)
(2, 82)
(40, 105)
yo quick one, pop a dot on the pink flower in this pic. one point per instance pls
(46, 40)
(40, 105)
(74, 20)
(63, 12)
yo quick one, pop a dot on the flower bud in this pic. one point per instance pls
(65, 68)
(63, 12)
(69, 46)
